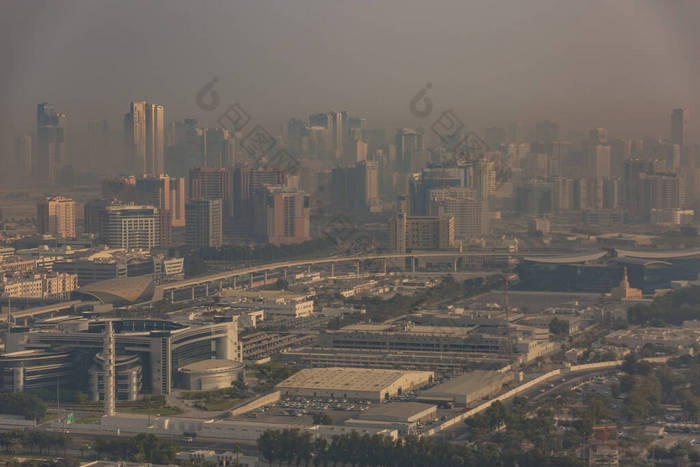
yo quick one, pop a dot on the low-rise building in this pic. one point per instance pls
(353, 383)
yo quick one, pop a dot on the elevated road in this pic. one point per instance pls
(230, 278)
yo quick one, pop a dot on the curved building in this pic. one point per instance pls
(162, 346)
(127, 373)
(207, 375)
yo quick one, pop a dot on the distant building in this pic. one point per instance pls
(56, 216)
(624, 291)
(282, 215)
(42, 286)
(204, 223)
(471, 216)
(679, 127)
(407, 233)
(164, 192)
(212, 183)
(132, 227)
(144, 132)
(51, 152)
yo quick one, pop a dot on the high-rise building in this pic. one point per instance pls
(219, 147)
(247, 180)
(408, 233)
(144, 133)
(679, 127)
(471, 216)
(599, 160)
(213, 183)
(23, 156)
(409, 148)
(485, 179)
(95, 216)
(132, 227)
(354, 189)
(51, 152)
(282, 215)
(56, 216)
(162, 191)
(204, 223)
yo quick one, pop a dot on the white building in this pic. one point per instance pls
(133, 227)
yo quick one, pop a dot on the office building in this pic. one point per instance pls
(132, 227)
(485, 179)
(144, 132)
(355, 189)
(409, 150)
(204, 223)
(471, 216)
(599, 161)
(161, 347)
(247, 180)
(282, 215)
(679, 127)
(164, 192)
(51, 153)
(212, 183)
(56, 216)
(219, 147)
(408, 233)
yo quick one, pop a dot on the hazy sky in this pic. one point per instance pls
(620, 64)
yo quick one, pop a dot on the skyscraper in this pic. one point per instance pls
(212, 183)
(164, 192)
(679, 127)
(51, 143)
(56, 216)
(144, 133)
(485, 179)
(282, 215)
(204, 223)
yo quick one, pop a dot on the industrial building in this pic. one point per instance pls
(467, 388)
(353, 383)
(401, 416)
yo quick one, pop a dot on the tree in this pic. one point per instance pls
(559, 327)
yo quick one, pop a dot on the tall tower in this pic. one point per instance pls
(144, 132)
(108, 361)
(50, 139)
(679, 126)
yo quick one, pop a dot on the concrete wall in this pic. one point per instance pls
(261, 401)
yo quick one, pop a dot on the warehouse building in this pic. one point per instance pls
(353, 383)
(467, 388)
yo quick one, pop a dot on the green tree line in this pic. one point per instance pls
(140, 448)
(18, 403)
(294, 447)
(671, 308)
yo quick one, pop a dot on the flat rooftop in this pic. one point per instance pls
(211, 364)
(350, 379)
(398, 410)
(402, 328)
(466, 383)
